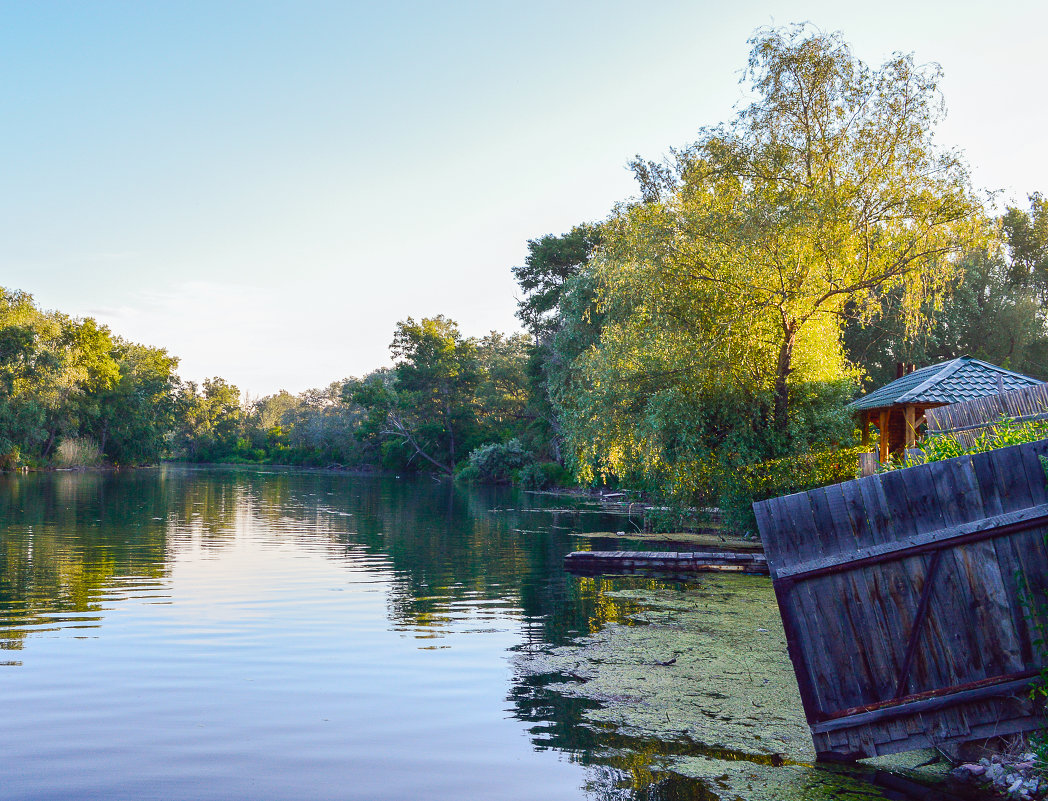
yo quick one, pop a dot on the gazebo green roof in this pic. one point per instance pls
(957, 380)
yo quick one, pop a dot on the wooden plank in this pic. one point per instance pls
(1012, 483)
(958, 597)
(798, 511)
(878, 511)
(834, 644)
(882, 427)
(986, 479)
(796, 636)
(1030, 455)
(921, 500)
(917, 628)
(772, 524)
(833, 531)
(934, 703)
(903, 583)
(819, 645)
(988, 528)
(882, 624)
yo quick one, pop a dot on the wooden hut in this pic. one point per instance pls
(897, 409)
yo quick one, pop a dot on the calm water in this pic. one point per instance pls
(234, 634)
(223, 634)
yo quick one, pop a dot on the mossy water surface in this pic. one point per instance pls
(697, 682)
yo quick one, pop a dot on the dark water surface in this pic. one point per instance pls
(235, 634)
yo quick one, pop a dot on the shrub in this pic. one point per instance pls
(495, 463)
(77, 452)
(543, 475)
(11, 459)
(785, 476)
(1005, 432)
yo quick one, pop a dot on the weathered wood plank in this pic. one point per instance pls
(923, 706)
(1030, 518)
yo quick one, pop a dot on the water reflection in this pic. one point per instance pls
(273, 592)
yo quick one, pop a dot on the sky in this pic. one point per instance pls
(265, 188)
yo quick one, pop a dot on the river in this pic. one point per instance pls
(209, 633)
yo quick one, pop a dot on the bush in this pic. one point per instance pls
(1005, 432)
(543, 475)
(495, 463)
(77, 452)
(11, 459)
(785, 476)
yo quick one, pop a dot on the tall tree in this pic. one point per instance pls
(1026, 233)
(428, 407)
(736, 269)
(136, 414)
(551, 262)
(208, 420)
(502, 389)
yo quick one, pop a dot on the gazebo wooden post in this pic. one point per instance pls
(866, 428)
(883, 425)
(910, 417)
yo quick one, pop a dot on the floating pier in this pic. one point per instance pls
(591, 562)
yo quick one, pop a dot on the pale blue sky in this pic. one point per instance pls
(265, 188)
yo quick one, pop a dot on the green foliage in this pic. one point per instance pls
(431, 411)
(495, 463)
(992, 312)
(544, 475)
(1026, 233)
(77, 452)
(136, 415)
(551, 262)
(501, 396)
(1003, 433)
(712, 335)
(785, 476)
(446, 396)
(209, 420)
(66, 379)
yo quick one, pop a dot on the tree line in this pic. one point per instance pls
(710, 330)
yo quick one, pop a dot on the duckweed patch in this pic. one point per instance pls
(703, 671)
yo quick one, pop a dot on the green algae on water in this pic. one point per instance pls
(704, 670)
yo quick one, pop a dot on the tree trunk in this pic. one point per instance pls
(783, 370)
(451, 435)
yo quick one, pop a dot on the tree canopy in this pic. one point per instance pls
(732, 277)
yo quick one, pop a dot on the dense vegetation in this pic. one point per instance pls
(700, 343)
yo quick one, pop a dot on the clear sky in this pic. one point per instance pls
(266, 188)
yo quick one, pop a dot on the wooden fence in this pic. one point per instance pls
(912, 600)
(969, 419)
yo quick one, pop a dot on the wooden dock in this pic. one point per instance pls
(591, 562)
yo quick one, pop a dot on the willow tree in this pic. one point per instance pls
(736, 269)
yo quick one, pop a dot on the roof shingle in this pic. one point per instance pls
(957, 380)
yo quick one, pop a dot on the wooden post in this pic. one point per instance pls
(883, 425)
(909, 414)
(867, 464)
(865, 428)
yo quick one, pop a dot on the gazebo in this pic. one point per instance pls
(897, 409)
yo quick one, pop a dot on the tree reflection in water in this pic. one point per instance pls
(73, 544)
